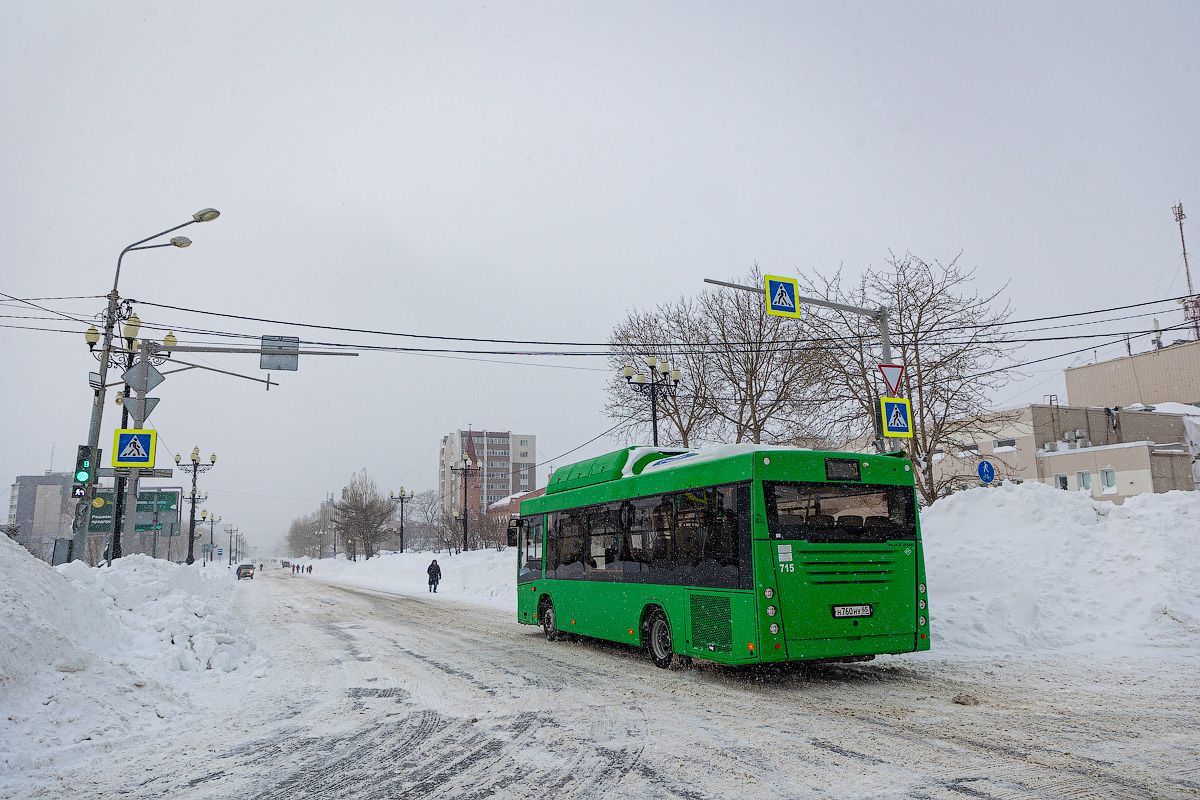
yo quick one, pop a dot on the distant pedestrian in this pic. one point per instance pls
(310, 569)
(435, 575)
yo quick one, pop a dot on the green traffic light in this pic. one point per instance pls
(81, 476)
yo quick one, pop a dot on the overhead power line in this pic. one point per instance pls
(549, 343)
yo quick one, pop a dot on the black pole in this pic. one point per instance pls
(401, 522)
(191, 558)
(466, 475)
(654, 408)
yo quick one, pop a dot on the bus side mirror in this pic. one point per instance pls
(514, 527)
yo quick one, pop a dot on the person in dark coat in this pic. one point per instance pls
(435, 575)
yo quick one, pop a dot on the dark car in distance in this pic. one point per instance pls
(245, 571)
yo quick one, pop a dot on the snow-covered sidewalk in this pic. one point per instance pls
(92, 657)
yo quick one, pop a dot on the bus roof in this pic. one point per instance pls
(643, 463)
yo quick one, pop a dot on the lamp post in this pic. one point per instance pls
(402, 497)
(195, 468)
(129, 329)
(212, 524)
(93, 337)
(663, 379)
(466, 470)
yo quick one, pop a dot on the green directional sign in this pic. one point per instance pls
(168, 502)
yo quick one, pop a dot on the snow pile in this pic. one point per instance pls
(99, 654)
(1027, 567)
(481, 577)
(1012, 569)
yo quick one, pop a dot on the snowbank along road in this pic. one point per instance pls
(374, 697)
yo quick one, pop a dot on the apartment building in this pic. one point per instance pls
(42, 508)
(506, 462)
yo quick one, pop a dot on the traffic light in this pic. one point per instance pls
(85, 468)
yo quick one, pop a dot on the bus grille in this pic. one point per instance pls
(712, 629)
(832, 567)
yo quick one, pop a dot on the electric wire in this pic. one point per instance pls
(548, 343)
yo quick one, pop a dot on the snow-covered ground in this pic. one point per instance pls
(90, 657)
(1072, 623)
(1017, 568)
(481, 577)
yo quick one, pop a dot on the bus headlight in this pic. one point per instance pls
(770, 611)
(922, 621)
(774, 628)
(921, 588)
(769, 592)
(920, 603)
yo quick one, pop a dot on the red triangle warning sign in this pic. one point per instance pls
(891, 374)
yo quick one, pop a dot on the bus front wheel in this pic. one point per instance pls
(549, 622)
(658, 639)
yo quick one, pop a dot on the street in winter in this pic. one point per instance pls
(656, 400)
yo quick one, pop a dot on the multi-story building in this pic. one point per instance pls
(1166, 374)
(506, 465)
(1110, 453)
(42, 509)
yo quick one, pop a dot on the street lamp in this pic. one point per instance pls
(212, 523)
(401, 498)
(466, 470)
(195, 468)
(93, 337)
(662, 379)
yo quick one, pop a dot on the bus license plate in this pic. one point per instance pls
(851, 611)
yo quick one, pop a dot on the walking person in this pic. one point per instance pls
(435, 575)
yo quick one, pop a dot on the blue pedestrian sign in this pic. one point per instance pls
(897, 417)
(134, 447)
(782, 296)
(987, 471)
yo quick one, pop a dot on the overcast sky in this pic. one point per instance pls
(521, 170)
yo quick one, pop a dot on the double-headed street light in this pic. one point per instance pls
(402, 497)
(93, 337)
(663, 379)
(195, 468)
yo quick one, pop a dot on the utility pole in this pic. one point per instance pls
(1191, 305)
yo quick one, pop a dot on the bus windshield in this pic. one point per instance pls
(822, 512)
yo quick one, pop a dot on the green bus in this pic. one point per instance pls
(738, 554)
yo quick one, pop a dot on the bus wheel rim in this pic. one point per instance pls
(660, 638)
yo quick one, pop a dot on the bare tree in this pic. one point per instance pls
(950, 340)
(745, 379)
(362, 515)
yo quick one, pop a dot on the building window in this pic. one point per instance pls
(1108, 480)
(1004, 443)
(1084, 480)
(1060, 481)
(524, 454)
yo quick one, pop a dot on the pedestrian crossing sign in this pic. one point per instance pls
(897, 417)
(134, 447)
(782, 296)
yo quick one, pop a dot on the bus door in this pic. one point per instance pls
(845, 559)
(529, 542)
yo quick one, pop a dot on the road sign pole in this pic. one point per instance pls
(134, 484)
(882, 319)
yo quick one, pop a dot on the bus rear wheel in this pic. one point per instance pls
(549, 621)
(658, 639)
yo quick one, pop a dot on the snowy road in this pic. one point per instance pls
(375, 696)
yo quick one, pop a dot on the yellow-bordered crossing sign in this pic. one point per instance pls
(897, 417)
(134, 447)
(782, 296)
